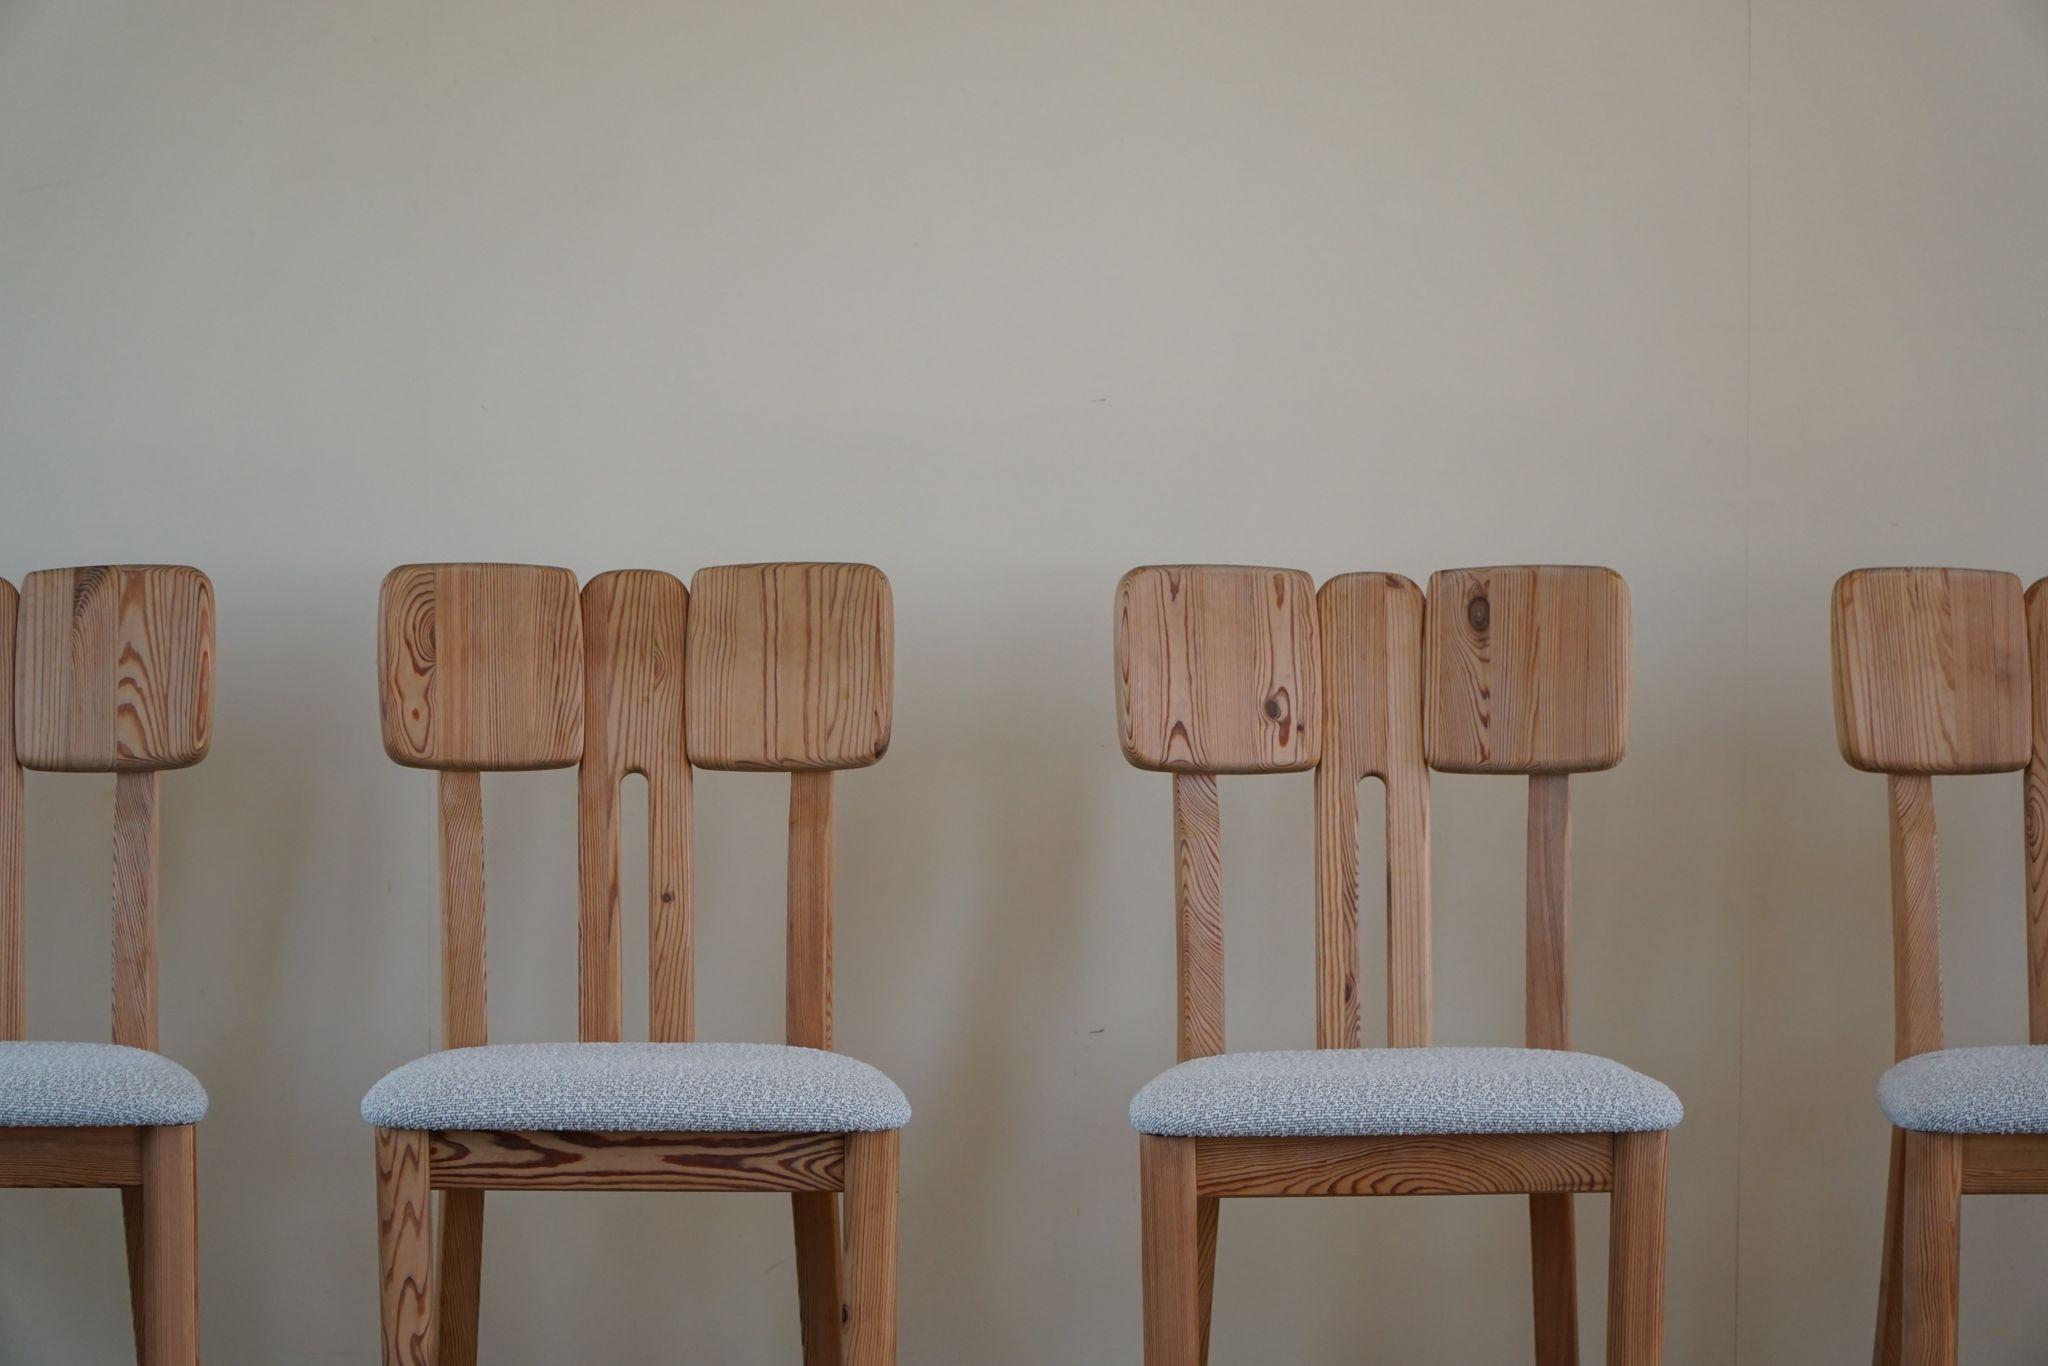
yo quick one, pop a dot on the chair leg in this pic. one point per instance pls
(816, 1217)
(1554, 1280)
(1931, 1235)
(138, 1268)
(871, 1248)
(1172, 1253)
(461, 1270)
(170, 1248)
(1635, 1251)
(405, 1247)
(1208, 1222)
(1888, 1350)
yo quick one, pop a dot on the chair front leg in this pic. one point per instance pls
(1172, 1251)
(1931, 1231)
(462, 1272)
(1554, 1279)
(405, 1247)
(168, 1319)
(871, 1252)
(815, 1215)
(1635, 1251)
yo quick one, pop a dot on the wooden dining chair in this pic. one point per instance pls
(108, 670)
(776, 668)
(1932, 678)
(1231, 670)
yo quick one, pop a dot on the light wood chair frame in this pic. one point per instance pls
(630, 631)
(110, 669)
(1350, 660)
(1938, 672)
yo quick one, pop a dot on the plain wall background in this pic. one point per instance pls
(1006, 299)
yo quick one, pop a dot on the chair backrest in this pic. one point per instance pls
(106, 669)
(1231, 670)
(1932, 678)
(777, 667)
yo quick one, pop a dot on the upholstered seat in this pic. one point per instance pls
(1998, 1090)
(638, 1087)
(94, 1085)
(1366, 1091)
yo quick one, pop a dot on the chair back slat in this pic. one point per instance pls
(634, 631)
(1219, 669)
(1931, 679)
(791, 670)
(115, 669)
(1528, 671)
(13, 926)
(103, 669)
(1931, 671)
(1372, 685)
(2037, 819)
(790, 667)
(481, 667)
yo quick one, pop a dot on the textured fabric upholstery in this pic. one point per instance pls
(1362, 1091)
(2002, 1090)
(96, 1085)
(638, 1087)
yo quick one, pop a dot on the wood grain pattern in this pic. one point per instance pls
(1554, 1279)
(1172, 1278)
(1916, 916)
(2036, 800)
(170, 1237)
(72, 1158)
(480, 666)
(2004, 1164)
(500, 1159)
(871, 1266)
(405, 1247)
(1218, 669)
(1635, 1251)
(464, 1016)
(1933, 1244)
(13, 851)
(1198, 913)
(115, 668)
(1528, 669)
(1445, 1164)
(791, 666)
(634, 625)
(135, 908)
(1371, 628)
(1931, 671)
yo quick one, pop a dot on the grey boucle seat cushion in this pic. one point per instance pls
(94, 1085)
(1368, 1091)
(1998, 1090)
(638, 1088)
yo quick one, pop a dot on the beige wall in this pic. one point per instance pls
(1006, 299)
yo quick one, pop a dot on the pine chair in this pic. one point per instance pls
(780, 668)
(108, 670)
(1932, 679)
(1229, 670)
